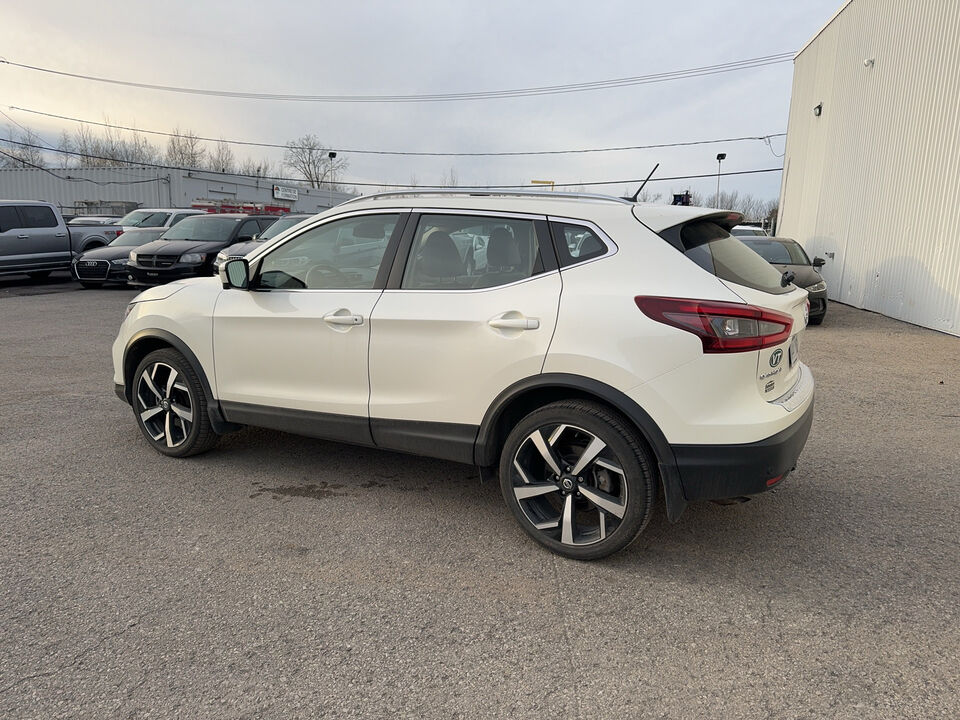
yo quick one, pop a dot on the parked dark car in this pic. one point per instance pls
(189, 247)
(787, 256)
(109, 264)
(239, 250)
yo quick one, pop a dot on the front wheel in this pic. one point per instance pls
(578, 479)
(170, 405)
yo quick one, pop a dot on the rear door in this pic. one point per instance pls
(446, 338)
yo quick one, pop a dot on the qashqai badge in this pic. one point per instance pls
(776, 357)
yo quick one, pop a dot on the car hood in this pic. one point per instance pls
(179, 247)
(244, 248)
(107, 253)
(806, 275)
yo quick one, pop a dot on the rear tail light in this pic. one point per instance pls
(119, 232)
(721, 326)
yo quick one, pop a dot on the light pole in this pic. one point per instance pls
(720, 158)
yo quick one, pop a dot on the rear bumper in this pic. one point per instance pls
(818, 304)
(716, 472)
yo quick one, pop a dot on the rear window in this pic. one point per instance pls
(781, 252)
(717, 251)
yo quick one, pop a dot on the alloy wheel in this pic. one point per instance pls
(163, 403)
(569, 484)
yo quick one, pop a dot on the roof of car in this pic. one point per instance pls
(169, 210)
(558, 204)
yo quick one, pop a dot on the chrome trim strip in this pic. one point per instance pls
(467, 193)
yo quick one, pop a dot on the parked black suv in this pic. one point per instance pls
(188, 248)
(786, 255)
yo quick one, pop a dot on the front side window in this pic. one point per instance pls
(462, 252)
(343, 254)
(38, 216)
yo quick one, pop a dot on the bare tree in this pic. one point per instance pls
(450, 178)
(311, 158)
(647, 196)
(65, 148)
(22, 155)
(109, 148)
(222, 158)
(257, 168)
(184, 150)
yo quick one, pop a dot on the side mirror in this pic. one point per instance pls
(235, 274)
(819, 262)
(246, 238)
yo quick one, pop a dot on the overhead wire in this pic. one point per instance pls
(68, 178)
(380, 184)
(293, 146)
(700, 71)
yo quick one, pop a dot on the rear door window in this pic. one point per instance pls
(38, 216)
(714, 249)
(576, 243)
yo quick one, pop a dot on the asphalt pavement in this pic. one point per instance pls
(279, 576)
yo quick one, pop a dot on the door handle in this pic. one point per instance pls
(514, 323)
(61, 234)
(342, 317)
(23, 237)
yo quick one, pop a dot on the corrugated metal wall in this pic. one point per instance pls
(149, 188)
(873, 183)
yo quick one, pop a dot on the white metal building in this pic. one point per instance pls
(871, 176)
(152, 187)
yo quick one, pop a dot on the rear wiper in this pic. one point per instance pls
(788, 277)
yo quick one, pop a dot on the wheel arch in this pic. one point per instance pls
(526, 395)
(145, 342)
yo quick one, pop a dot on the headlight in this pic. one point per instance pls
(119, 261)
(192, 258)
(818, 287)
(133, 256)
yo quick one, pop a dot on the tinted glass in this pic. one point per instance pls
(133, 238)
(343, 254)
(9, 219)
(781, 252)
(38, 216)
(248, 229)
(209, 228)
(717, 251)
(280, 225)
(461, 252)
(144, 218)
(576, 243)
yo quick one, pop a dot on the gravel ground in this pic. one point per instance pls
(286, 577)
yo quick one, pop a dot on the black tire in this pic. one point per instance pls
(39, 274)
(629, 493)
(817, 320)
(177, 424)
(91, 285)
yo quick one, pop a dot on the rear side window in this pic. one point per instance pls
(38, 216)
(576, 243)
(9, 219)
(717, 251)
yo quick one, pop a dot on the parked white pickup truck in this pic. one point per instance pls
(35, 241)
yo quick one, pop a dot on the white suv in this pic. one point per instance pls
(605, 350)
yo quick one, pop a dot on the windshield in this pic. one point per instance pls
(717, 251)
(209, 228)
(144, 218)
(132, 238)
(279, 226)
(780, 252)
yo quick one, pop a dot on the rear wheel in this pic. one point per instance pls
(578, 479)
(39, 274)
(170, 405)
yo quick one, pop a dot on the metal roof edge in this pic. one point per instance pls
(822, 28)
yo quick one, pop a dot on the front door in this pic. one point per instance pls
(291, 353)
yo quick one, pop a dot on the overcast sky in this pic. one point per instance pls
(429, 47)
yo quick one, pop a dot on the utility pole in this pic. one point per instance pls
(720, 158)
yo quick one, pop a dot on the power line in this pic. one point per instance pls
(762, 138)
(383, 185)
(67, 178)
(436, 97)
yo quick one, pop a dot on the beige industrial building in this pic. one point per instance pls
(871, 177)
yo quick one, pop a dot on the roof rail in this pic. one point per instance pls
(489, 193)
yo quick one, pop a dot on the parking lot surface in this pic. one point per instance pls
(280, 576)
